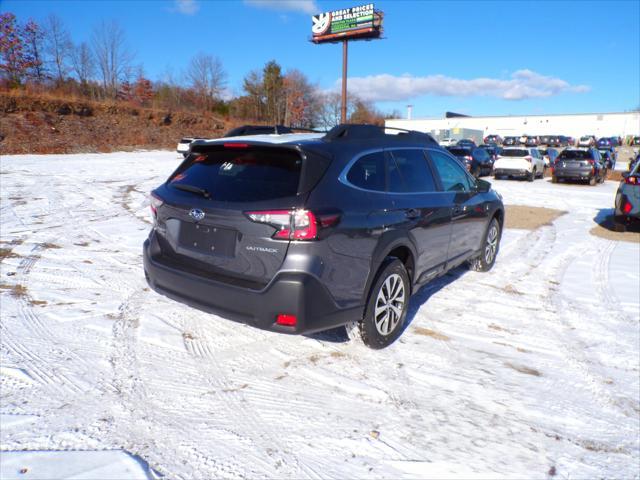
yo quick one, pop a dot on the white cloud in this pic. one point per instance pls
(187, 7)
(303, 6)
(523, 84)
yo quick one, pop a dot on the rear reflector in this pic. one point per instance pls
(626, 208)
(236, 145)
(286, 320)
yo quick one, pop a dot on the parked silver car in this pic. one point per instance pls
(627, 203)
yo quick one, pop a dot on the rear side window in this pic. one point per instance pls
(459, 152)
(452, 175)
(368, 172)
(242, 174)
(409, 172)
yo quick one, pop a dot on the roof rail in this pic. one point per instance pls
(364, 132)
(265, 130)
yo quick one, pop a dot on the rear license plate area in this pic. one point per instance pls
(208, 239)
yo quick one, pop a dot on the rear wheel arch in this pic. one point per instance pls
(400, 249)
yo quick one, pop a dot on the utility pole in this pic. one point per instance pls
(345, 55)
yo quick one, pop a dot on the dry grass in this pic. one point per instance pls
(44, 123)
(431, 333)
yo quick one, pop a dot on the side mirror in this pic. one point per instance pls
(482, 186)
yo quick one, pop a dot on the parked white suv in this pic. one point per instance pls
(587, 141)
(520, 162)
(448, 142)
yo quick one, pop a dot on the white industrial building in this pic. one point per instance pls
(575, 125)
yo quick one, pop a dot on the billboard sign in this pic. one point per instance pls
(347, 23)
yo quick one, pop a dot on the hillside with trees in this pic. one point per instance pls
(60, 96)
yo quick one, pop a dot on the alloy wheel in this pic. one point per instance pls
(390, 304)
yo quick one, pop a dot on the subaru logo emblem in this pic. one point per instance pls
(196, 214)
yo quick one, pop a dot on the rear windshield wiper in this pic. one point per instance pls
(193, 189)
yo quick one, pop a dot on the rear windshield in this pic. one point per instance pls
(459, 152)
(575, 155)
(242, 174)
(517, 152)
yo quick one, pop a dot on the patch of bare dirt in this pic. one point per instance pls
(7, 253)
(431, 333)
(523, 369)
(530, 218)
(605, 229)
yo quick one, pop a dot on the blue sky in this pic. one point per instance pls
(480, 58)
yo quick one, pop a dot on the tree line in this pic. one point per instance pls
(44, 58)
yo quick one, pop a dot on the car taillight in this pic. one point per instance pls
(292, 224)
(632, 181)
(468, 158)
(286, 320)
(155, 203)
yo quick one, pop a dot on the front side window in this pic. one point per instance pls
(409, 172)
(452, 175)
(368, 172)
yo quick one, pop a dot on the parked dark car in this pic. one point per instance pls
(606, 142)
(579, 165)
(549, 156)
(510, 141)
(493, 150)
(532, 141)
(544, 139)
(609, 156)
(466, 142)
(627, 202)
(557, 141)
(477, 161)
(497, 139)
(306, 232)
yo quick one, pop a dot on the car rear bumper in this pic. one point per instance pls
(510, 172)
(574, 174)
(291, 293)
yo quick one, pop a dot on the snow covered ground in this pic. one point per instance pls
(528, 371)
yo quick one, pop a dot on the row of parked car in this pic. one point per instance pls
(558, 141)
(583, 164)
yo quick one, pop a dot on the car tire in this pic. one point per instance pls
(619, 226)
(531, 176)
(489, 251)
(389, 297)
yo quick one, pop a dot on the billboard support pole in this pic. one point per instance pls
(343, 109)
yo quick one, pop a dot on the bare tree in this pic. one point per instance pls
(82, 62)
(58, 46)
(112, 56)
(207, 78)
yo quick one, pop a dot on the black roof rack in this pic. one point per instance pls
(366, 132)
